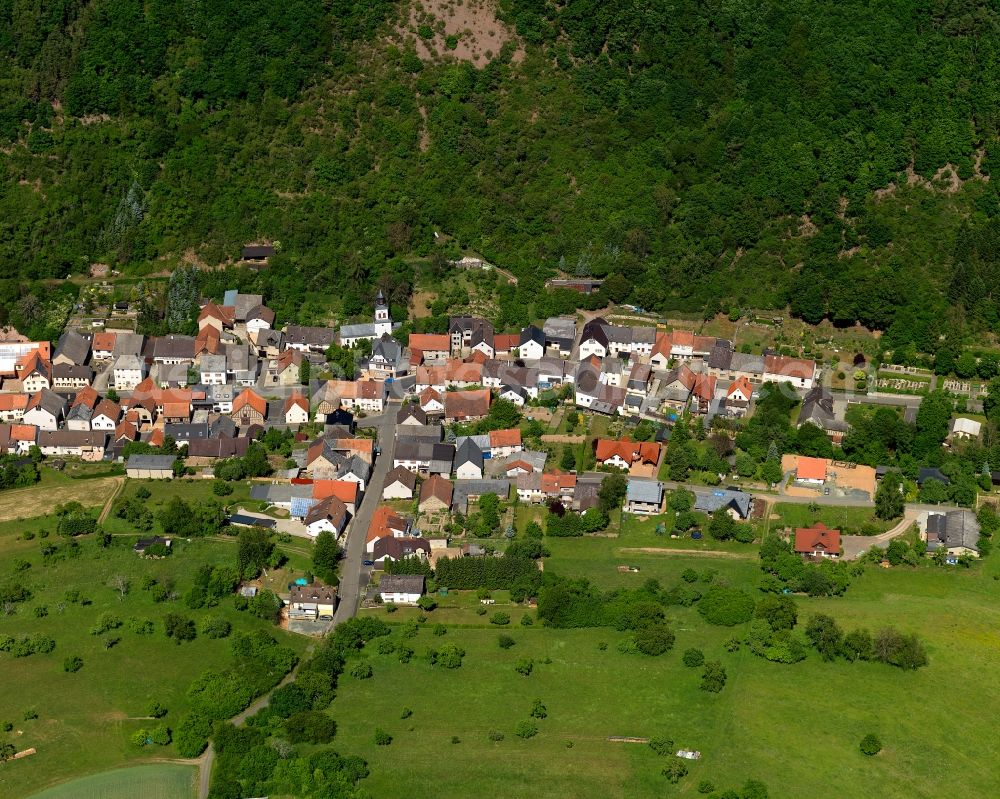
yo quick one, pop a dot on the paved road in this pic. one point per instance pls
(353, 574)
(856, 545)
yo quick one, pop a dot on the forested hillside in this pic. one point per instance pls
(714, 154)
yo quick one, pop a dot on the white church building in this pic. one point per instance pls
(352, 334)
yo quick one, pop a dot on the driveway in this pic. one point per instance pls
(353, 574)
(856, 545)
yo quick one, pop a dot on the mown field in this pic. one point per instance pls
(162, 781)
(85, 719)
(795, 727)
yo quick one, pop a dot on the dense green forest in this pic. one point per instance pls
(676, 144)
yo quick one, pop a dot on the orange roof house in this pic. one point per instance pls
(505, 438)
(611, 450)
(218, 313)
(86, 396)
(818, 540)
(430, 342)
(505, 342)
(812, 470)
(296, 400)
(12, 403)
(386, 523)
(344, 490)
(248, 398)
(463, 406)
(104, 342)
(740, 386)
(208, 341)
(558, 482)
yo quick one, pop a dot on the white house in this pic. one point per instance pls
(401, 589)
(105, 416)
(400, 483)
(329, 514)
(296, 409)
(212, 370)
(45, 410)
(532, 344)
(128, 372)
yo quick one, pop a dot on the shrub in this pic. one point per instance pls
(440, 629)
(310, 726)
(362, 671)
(216, 627)
(382, 738)
(500, 618)
(526, 729)
(41, 612)
(871, 745)
(714, 677)
(505, 641)
(406, 713)
(654, 639)
(450, 656)
(689, 576)
(726, 607)
(30, 714)
(480, 611)
(662, 746)
(496, 736)
(427, 602)
(390, 607)
(676, 769)
(538, 710)
(526, 620)
(455, 739)
(73, 664)
(524, 666)
(155, 709)
(693, 658)
(706, 786)
(221, 488)
(140, 626)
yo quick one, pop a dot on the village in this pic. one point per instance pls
(387, 457)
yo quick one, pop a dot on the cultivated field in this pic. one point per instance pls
(53, 490)
(795, 727)
(162, 781)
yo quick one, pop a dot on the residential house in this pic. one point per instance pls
(309, 339)
(45, 410)
(623, 453)
(86, 445)
(212, 370)
(798, 372)
(737, 504)
(35, 373)
(532, 343)
(703, 393)
(431, 402)
(738, 397)
(78, 417)
(818, 409)
(426, 347)
(218, 447)
(296, 409)
(594, 340)
(401, 589)
(463, 491)
(419, 432)
(173, 349)
(150, 467)
(638, 379)
(399, 483)
(505, 344)
(347, 492)
(466, 406)
(514, 393)
(241, 303)
(505, 442)
(128, 372)
(468, 461)
(268, 343)
(560, 334)
(957, 531)
(216, 316)
(424, 456)
(964, 429)
(390, 549)
(208, 342)
(811, 471)
(106, 415)
(469, 332)
(260, 317)
(22, 438)
(559, 486)
(103, 345)
(249, 408)
(818, 541)
(73, 349)
(644, 496)
(386, 523)
(329, 514)
(529, 487)
(13, 406)
(71, 377)
(411, 414)
(286, 368)
(386, 357)
(435, 495)
(311, 602)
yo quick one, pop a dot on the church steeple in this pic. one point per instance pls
(383, 322)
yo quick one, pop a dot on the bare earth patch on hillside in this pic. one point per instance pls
(480, 35)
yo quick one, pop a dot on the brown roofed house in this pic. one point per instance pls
(435, 495)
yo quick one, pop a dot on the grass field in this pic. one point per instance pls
(796, 727)
(162, 781)
(85, 718)
(846, 519)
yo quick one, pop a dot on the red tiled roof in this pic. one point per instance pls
(818, 538)
(253, 399)
(436, 486)
(553, 482)
(505, 342)
(629, 451)
(467, 404)
(86, 396)
(810, 468)
(742, 385)
(429, 394)
(505, 438)
(384, 521)
(434, 342)
(296, 400)
(14, 402)
(223, 313)
(682, 338)
(789, 367)
(23, 432)
(104, 341)
(344, 490)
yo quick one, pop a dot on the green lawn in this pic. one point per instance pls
(191, 490)
(85, 718)
(796, 727)
(163, 781)
(846, 519)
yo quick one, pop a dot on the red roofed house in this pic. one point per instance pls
(431, 402)
(13, 406)
(386, 523)
(623, 454)
(799, 372)
(660, 357)
(818, 541)
(703, 392)
(559, 485)
(465, 406)
(103, 346)
(249, 408)
(810, 470)
(505, 442)
(217, 316)
(296, 409)
(738, 397)
(431, 346)
(504, 343)
(344, 490)
(435, 494)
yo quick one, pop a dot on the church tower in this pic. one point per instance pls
(383, 322)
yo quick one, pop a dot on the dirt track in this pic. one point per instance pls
(23, 503)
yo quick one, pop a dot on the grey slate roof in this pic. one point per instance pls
(153, 462)
(643, 491)
(957, 528)
(723, 498)
(74, 346)
(401, 584)
(468, 452)
(463, 489)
